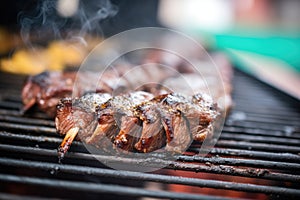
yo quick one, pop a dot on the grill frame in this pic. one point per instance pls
(248, 148)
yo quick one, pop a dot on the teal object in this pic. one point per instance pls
(286, 48)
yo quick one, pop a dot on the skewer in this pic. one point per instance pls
(66, 143)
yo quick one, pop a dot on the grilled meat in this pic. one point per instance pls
(47, 88)
(97, 120)
(120, 109)
(77, 116)
(170, 116)
(182, 119)
(137, 121)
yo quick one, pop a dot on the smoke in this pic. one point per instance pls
(47, 21)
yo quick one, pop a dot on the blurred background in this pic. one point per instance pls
(261, 37)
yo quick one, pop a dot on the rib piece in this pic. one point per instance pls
(66, 143)
(177, 128)
(136, 121)
(120, 110)
(79, 115)
(153, 135)
(129, 134)
(183, 119)
(47, 88)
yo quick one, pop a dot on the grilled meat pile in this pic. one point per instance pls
(46, 89)
(135, 109)
(137, 121)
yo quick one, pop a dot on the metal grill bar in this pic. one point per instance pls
(292, 122)
(260, 97)
(262, 155)
(280, 134)
(101, 188)
(214, 160)
(257, 143)
(10, 105)
(260, 146)
(10, 120)
(4, 196)
(35, 115)
(23, 120)
(261, 139)
(56, 140)
(261, 116)
(254, 131)
(268, 121)
(262, 111)
(263, 104)
(262, 125)
(155, 162)
(15, 136)
(254, 154)
(150, 177)
(28, 128)
(288, 157)
(227, 130)
(221, 143)
(242, 162)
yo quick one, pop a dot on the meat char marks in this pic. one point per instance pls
(46, 89)
(170, 110)
(75, 116)
(137, 121)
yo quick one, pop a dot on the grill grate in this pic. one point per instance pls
(257, 155)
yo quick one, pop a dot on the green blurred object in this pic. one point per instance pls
(270, 56)
(283, 47)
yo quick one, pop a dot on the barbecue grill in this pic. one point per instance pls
(257, 155)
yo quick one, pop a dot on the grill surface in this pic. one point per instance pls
(257, 155)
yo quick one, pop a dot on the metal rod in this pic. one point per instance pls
(156, 162)
(287, 157)
(260, 146)
(288, 133)
(150, 177)
(33, 116)
(4, 196)
(261, 125)
(101, 188)
(38, 139)
(266, 112)
(258, 101)
(270, 116)
(269, 120)
(212, 160)
(14, 98)
(30, 121)
(27, 128)
(246, 141)
(262, 139)
(9, 112)
(10, 105)
(269, 147)
(241, 162)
